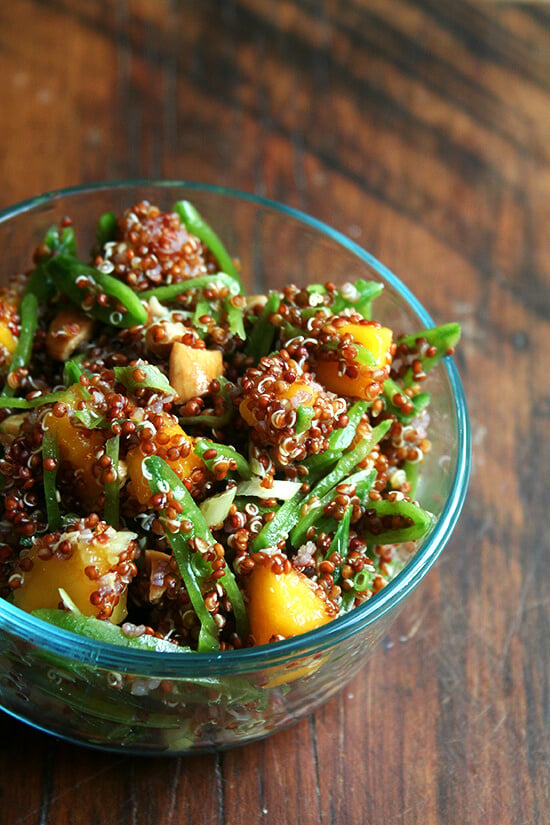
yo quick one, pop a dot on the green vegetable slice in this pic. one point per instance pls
(105, 631)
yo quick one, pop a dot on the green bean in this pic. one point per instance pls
(28, 312)
(260, 339)
(196, 225)
(50, 455)
(125, 307)
(161, 479)
(112, 490)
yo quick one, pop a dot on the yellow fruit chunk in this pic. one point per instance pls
(300, 393)
(283, 604)
(78, 446)
(87, 566)
(7, 339)
(168, 440)
(378, 340)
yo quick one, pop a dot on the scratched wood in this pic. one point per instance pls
(422, 130)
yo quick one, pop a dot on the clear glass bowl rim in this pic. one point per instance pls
(79, 648)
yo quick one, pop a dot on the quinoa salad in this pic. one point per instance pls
(187, 467)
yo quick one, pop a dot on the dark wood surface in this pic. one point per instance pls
(421, 129)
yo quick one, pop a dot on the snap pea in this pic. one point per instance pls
(106, 228)
(124, 309)
(359, 296)
(419, 401)
(103, 631)
(444, 338)
(289, 514)
(161, 479)
(196, 225)
(223, 451)
(50, 455)
(171, 291)
(31, 403)
(420, 521)
(28, 312)
(338, 441)
(143, 375)
(320, 500)
(260, 339)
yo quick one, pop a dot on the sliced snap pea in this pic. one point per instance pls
(420, 521)
(162, 478)
(106, 228)
(444, 338)
(143, 375)
(359, 296)
(298, 533)
(338, 441)
(28, 312)
(171, 291)
(196, 225)
(260, 339)
(112, 491)
(124, 308)
(50, 455)
(104, 631)
(224, 451)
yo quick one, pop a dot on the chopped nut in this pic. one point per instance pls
(192, 370)
(67, 331)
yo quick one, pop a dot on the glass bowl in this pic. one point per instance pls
(143, 701)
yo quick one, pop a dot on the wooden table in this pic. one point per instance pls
(422, 130)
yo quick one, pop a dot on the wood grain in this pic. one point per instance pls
(422, 130)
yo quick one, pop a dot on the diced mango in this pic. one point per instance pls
(7, 338)
(168, 437)
(283, 604)
(300, 393)
(90, 568)
(78, 446)
(378, 340)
